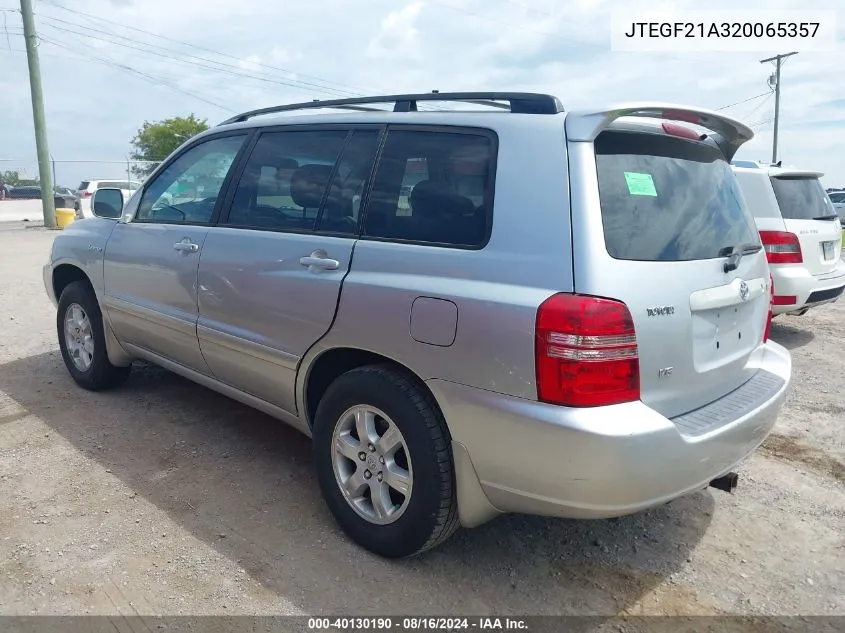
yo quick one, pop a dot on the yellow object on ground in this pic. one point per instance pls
(65, 217)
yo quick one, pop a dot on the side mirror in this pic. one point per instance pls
(107, 203)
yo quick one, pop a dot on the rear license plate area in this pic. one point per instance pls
(828, 250)
(723, 335)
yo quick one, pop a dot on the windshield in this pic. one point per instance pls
(665, 198)
(837, 197)
(802, 198)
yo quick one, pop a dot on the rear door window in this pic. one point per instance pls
(665, 198)
(802, 198)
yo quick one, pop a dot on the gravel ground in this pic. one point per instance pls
(165, 498)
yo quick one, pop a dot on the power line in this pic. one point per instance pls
(152, 78)
(195, 46)
(730, 105)
(147, 48)
(758, 106)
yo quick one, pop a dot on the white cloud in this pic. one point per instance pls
(251, 63)
(398, 34)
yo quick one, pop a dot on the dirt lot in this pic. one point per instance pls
(165, 498)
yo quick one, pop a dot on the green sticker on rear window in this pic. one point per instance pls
(640, 184)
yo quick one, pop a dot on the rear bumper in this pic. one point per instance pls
(809, 290)
(516, 455)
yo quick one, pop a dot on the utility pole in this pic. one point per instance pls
(44, 171)
(778, 59)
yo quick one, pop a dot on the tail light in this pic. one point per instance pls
(86, 194)
(781, 247)
(586, 352)
(768, 329)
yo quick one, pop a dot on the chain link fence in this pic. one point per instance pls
(71, 173)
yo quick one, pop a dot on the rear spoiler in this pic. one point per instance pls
(729, 134)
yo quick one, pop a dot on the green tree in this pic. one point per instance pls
(12, 177)
(156, 140)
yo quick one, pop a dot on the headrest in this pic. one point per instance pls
(285, 163)
(430, 199)
(308, 184)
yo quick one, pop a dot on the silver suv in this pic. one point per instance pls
(471, 311)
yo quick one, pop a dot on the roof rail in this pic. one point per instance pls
(517, 102)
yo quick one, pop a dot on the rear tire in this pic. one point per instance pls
(402, 414)
(82, 339)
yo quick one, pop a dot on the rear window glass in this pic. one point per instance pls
(83, 186)
(802, 198)
(665, 198)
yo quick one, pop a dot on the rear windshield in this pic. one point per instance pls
(665, 198)
(802, 198)
(83, 186)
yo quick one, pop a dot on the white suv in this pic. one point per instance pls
(88, 187)
(838, 200)
(800, 231)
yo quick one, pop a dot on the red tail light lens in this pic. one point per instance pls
(586, 352)
(781, 247)
(768, 329)
(86, 194)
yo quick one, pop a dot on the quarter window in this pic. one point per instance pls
(433, 187)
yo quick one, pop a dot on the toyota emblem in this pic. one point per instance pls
(743, 290)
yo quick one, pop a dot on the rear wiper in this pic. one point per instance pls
(828, 217)
(735, 253)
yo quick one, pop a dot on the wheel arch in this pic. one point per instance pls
(331, 363)
(66, 274)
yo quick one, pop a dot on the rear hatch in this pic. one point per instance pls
(808, 213)
(671, 217)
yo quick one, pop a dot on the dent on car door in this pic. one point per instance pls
(271, 271)
(151, 260)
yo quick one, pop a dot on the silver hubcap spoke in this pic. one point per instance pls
(372, 465)
(79, 338)
(380, 495)
(365, 424)
(397, 478)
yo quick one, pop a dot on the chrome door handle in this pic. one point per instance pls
(186, 247)
(319, 259)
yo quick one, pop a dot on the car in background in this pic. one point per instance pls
(800, 232)
(88, 187)
(27, 192)
(33, 192)
(70, 198)
(837, 198)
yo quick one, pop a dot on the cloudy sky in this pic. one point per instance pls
(108, 65)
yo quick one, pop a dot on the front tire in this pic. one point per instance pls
(384, 462)
(82, 339)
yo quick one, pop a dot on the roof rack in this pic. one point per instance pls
(517, 102)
